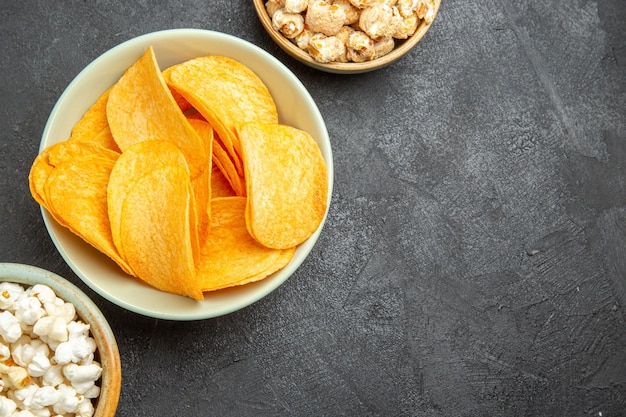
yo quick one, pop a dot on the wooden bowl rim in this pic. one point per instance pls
(290, 48)
(109, 356)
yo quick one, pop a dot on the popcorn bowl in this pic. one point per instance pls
(107, 353)
(295, 107)
(402, 47)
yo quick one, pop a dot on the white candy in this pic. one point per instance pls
(24, 396)
(82, 377)
(68, 401)
(5, 352)
(350, 11)
(66, 311)
(326, 48)
(17, 377)
(25, 349)
(302, 40)
(10, 328)
(7, 407)
(39, 365)
(407, 7)
(44, 397)
(426, 10)
(406, 27)
(46, 355)
(78, 328)
(360, 47)
(82, 373)
(92, 392)
(272, 6)
(78, 347)
(383, 46)
(53, 376)
(44, 293)
(324, 17)
(51, 327)
(75, 350)
(85, 409)
(379, 21)
(289, 24)
(296, 6)
(28, 310)
(83, 387)
(9, 292)
(382, 21)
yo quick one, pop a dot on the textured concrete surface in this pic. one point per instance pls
(474, 259)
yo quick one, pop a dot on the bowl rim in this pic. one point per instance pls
(342, 67)
(170, 37)
(87, 310)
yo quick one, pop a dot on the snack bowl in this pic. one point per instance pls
(402, 47)
(106, 354)
(295, 107)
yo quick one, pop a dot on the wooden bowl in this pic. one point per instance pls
(401, 48)
(107, 352)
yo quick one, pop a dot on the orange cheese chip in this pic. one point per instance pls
(93, 127)
(55, 155)
(286, 183)
(226, 93)
(202, 183)
(82, 208)
(140, 107)
(185, 178)
(220, 187)
(155, 231)
(230, 256)
(69, 180)
(138, 160)
(226, 165)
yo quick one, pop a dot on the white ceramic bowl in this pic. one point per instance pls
(107, 352)
(295, 108)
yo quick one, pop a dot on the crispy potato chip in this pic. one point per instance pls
(38, 177)
(49, 158)
(226, 165)
(226, 93)
(93, 127)
(286, 182)
(283, 259)
(230, 256)
(155, 231)
(221, 157)
(185, 178)
(140, 107)
(105, 139)
(94, 119)
(67, 151)
(134, 163)
(201, 187)
(202, 183)
(182, 102)
(220, 186)
(42, 181)
(76, 193)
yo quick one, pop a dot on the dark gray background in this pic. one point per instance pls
(474, 258)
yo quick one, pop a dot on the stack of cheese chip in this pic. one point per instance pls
(185, 177)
